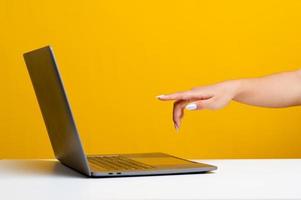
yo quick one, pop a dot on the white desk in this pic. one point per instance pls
(235, 179)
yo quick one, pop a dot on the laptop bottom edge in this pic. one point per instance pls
(153, 172)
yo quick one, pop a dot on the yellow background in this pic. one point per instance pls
(116, 56)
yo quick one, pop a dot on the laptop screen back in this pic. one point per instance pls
(55, 108)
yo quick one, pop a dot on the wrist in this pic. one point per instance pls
(236, 87)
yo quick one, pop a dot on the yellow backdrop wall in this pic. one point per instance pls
(116, 56)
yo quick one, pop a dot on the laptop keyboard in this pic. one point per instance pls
(117, 163)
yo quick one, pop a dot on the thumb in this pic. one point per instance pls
(201, 104)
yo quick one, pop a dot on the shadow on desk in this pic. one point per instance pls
(38, 168)
(49, 168)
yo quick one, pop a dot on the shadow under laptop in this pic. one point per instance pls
(50, 168)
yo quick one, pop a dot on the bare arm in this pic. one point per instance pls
(277, 90)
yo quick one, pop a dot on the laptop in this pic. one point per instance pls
(65, 139)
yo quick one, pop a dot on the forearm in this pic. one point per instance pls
(278, 90)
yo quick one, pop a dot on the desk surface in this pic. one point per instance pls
(235, 179)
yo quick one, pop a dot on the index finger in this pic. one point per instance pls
(186, 95)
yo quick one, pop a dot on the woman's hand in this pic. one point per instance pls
(206, 97)
(274, 91)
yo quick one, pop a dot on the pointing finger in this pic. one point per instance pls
(186, 95)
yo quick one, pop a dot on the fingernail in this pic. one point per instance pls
(191, 106)
(176, 127)
(160, 96)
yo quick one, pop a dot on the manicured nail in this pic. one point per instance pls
(191, 106)
(160, 96)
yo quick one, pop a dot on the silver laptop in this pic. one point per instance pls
(65, 140)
